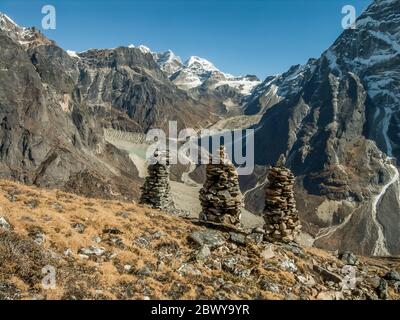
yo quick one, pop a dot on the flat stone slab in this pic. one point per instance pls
(212, 239)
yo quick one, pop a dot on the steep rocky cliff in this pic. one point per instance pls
(55, 104)
(336, 121)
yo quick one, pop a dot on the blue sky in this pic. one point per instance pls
(261, 37)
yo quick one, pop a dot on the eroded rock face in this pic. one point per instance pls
(335, 120)
(54, 106)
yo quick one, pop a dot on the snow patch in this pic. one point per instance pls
(72, 54)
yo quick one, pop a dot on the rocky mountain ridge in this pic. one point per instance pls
(335, 120)
(198, 72)
(54, 106)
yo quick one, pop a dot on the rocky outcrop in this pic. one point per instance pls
(281, 217)
(220, 196)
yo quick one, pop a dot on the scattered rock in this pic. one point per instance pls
(295, 249)
(4, 224)
(268, 253)
(127, 268)
(392, 276)
(39, 238)
(348, 258)
(213, 239)
(255, 237)
(229, 264)
(397, 286)
(187, 269)
(37, 235)
(307, 280)
(11, 197)
(158, 235)
(238, 238)
(123, 214)
(112, 230)
(327, 275)
(115, 241)
(289, 265)
(96, 239)
(259, 230)
(145, 271)
(68, 252)
(203, 253)
(382, 290)
(79, 227)
(92, 251)
(32, 204)
(58, 207)
(142, 241)
(330, 295)
(242, 272)
(373, 281)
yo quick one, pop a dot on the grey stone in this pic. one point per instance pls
(32, 204)
(327, 275)
(79, 227)
(92, 251)
(382, 290)
(213, 239)
(348, 258)
(268, 253)
(4, 224)
(392, 276)
(255, 237)
(188, 270)
(238, 238)
(112, 230)
(229, 264)
(289, 265)
(203, 253)
(145, 271)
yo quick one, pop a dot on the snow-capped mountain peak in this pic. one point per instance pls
(168, 62)
(144, 49)
(201, 72)
(196, 71)
(8, 25)
(198, 63)
(24, 36)
(141, 47)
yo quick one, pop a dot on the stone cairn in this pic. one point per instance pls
(220, 196)
(156, 188)
(280, 214)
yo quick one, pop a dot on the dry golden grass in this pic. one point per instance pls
(153, 243)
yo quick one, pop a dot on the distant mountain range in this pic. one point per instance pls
(196, 72)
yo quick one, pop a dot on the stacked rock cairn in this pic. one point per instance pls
(156, 190)
(220, 197)
(282, 222)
